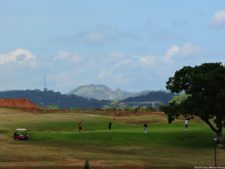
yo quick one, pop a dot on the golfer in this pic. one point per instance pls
(145, 127)
(110, 125)
(80, 127)
(186, 121)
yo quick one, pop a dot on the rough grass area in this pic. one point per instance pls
(56, 143)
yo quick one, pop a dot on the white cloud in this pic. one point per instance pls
(71, 57)
(19, 55)
(171, 52)
(184, 51)
(21, 66)
(218, 19)
(113, 69)
(105, 73)
(148, 61)
(97, 37)
(117, 55)
(118, 70)
(125, 66)
(189, 49)
(114, 77)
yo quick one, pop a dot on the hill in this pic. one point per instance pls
(100, 92)
(50, 98)
(153, 96)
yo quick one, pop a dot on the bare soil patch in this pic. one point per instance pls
(18, 103)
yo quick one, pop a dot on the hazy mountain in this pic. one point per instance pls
(100, 92)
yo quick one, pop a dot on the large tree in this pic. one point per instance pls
(204, 87)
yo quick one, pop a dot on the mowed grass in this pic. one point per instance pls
(55, 141)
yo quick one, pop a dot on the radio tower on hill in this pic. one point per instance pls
(45, 85)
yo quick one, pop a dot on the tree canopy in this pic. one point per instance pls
(203, 87)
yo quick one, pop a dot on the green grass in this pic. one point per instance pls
(56, 141)
(124, 134)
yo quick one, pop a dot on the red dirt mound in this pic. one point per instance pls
(18, 103)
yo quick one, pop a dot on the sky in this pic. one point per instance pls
(133, 45)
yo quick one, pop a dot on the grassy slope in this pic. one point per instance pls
(55, 140)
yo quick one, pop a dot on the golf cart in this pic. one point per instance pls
(20, 134)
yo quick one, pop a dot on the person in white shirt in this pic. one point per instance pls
(186, 121)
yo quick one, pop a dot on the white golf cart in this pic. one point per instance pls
(20, 134)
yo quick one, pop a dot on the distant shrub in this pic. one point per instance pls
(52, 107)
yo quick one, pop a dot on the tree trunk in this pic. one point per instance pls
(218, 129)
(219, 125)
(210, 125)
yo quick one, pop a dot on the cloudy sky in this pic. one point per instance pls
(128, 44)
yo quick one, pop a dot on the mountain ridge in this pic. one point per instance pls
(103, 92)
(100, 92)
(152, 96)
